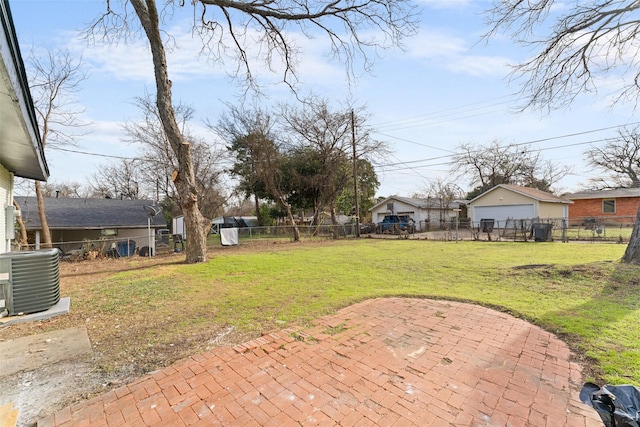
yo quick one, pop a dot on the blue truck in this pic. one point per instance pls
(395, 224)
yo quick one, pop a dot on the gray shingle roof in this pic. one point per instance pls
(604, 194)
(533, 193)
(431, 203)
(71, 213)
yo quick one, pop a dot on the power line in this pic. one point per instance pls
(413, 142)
(517, 145)
(87, 153)
(444, 113)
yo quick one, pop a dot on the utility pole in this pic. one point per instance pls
(355, 173)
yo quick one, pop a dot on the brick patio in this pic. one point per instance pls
(382, 362)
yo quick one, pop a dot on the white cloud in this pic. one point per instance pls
(444, 51)
(446, 4)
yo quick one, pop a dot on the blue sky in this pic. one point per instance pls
(445, 88)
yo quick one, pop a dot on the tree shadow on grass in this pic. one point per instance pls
(604, 330)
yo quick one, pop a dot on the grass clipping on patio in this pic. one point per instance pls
(154, 312)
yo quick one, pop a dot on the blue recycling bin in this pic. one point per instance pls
(126, 248)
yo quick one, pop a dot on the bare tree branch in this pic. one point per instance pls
(619, 159)
(586, 41)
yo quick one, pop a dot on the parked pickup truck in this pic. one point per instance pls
(395, 224)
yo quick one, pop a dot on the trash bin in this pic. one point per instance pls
(542, 232)
(126, 248)
(145, 251)
(178, 240)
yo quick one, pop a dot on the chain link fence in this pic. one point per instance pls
(594, 229)
(588, 229)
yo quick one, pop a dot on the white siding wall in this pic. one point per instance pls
(500, 214)
(6, 199)
(419, 215)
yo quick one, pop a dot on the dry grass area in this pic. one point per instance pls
(78, 279)
(122, 349)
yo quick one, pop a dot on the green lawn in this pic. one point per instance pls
(577, 290)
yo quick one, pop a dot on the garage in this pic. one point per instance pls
(506, 201)
(501, 213)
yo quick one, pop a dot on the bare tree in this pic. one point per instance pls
(619, 159)
(66, 189)
(588, 41)
(489, 165)
(327, 133)
(55, 77)
(440, 193)
(22, 240)
(223, 25)
(250, 133)
(119, 180)
(157, 162)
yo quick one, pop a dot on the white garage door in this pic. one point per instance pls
(501, 213)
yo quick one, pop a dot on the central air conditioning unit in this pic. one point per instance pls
(29, 281)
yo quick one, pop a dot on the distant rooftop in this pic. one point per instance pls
(75, 213)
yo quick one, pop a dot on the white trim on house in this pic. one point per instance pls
(6, 201)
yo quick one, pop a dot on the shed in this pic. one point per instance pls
(506, 201)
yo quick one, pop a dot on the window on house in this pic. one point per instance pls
(390, 207)
(609, 206)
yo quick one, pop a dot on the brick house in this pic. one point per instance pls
(618, 206)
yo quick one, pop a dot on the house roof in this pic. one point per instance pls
(21, 150)
(87, 214)
(533, 193)
(430, 203)
(604, 194)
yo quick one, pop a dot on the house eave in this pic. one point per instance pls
(21, 149)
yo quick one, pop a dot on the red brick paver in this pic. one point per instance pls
(382, 362)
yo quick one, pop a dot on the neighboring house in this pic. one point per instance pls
(427, 213)
(620, 205)
(21, 150)
(72, 221)
(514, 202)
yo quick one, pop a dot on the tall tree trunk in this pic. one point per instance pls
(196, 226)
(632, 253)
(257, 203)
(334, 221)
(22, 241)
(46, 235)
(287, 208)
